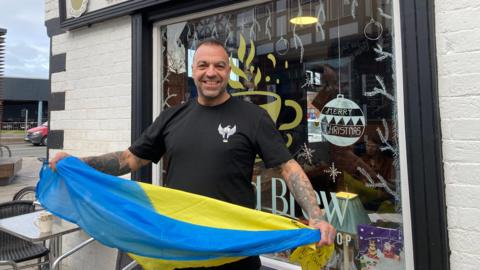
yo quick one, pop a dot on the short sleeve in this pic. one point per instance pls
(270, 144)
(151, 144)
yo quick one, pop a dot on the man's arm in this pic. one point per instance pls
(300, 186)
(116, 163)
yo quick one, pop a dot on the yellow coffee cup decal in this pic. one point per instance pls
(298, 115)
(269, 101)
(273, 106)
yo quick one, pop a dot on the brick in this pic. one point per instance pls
(459, 63)
(461, 129)
(117, 124)
(59, 82)
(460, 107)
(60, 43)
(458, 42)
(51, 9)
(122, 135)
(457, 20)
(59, 115)
(456, 85)
(100, 135)
(463, 261)
(464, 218)
(462, 173)
(461, 151)
(462, 196)
(444, 5)
(74, 135)
(464, 242)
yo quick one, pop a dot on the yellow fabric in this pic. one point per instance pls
(311, 257)
(213, 213)
(209, 212)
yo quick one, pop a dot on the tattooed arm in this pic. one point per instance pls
(300, 186)
(116, 163)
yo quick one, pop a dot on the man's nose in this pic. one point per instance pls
(211, 71)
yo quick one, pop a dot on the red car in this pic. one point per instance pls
(38, 135)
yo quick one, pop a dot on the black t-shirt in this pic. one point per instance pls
(211, 150)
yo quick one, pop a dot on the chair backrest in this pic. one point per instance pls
(26, 193)
(15, 208)
(10, 209)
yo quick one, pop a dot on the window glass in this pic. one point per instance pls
(329, 87)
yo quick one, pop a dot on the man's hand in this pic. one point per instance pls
(327, 231)
(59, 156)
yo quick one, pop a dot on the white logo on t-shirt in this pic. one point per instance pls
(226, 132)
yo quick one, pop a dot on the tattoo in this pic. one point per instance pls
(302, 189)
(112, 163)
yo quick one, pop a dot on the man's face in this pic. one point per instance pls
(211, 71)
(371, 147)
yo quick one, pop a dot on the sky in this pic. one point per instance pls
(27, 44)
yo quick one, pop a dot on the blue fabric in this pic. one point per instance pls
(119, 214)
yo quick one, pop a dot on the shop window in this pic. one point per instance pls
(330, 88)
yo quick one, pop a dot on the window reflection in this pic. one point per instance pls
(329, 88)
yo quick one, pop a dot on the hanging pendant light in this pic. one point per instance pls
(303, 20)
(300, 19)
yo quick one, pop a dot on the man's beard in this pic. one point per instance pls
(218, 92)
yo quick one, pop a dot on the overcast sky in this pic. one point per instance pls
(27, 44)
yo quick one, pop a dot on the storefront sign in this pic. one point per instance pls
(279, 191)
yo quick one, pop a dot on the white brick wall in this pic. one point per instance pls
(51, 9)
(97, 85)
(97, 115)
(458, 55)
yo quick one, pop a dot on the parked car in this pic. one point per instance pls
(38, 135)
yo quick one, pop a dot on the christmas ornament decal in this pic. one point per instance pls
(342, 121)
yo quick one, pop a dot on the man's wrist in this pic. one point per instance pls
(319, 215)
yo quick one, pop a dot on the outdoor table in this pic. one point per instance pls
(23, 226)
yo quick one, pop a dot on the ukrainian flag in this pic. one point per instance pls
(163, 228)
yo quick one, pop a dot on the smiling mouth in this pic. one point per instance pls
(211, 83)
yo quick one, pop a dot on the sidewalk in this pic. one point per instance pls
(27, 176)
(11, 138)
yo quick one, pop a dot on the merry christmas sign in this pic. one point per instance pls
(342, 121)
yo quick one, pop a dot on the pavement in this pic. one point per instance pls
(27, 176)
(11, 138)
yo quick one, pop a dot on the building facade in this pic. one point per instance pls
(366, 96)
(25, 100)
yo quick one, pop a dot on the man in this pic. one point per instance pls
(210, 144)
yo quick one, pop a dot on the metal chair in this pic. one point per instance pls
(13, 249)
(124, 262)
(26, 193)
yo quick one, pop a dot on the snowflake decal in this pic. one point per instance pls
(306, 154)
(333, 172)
